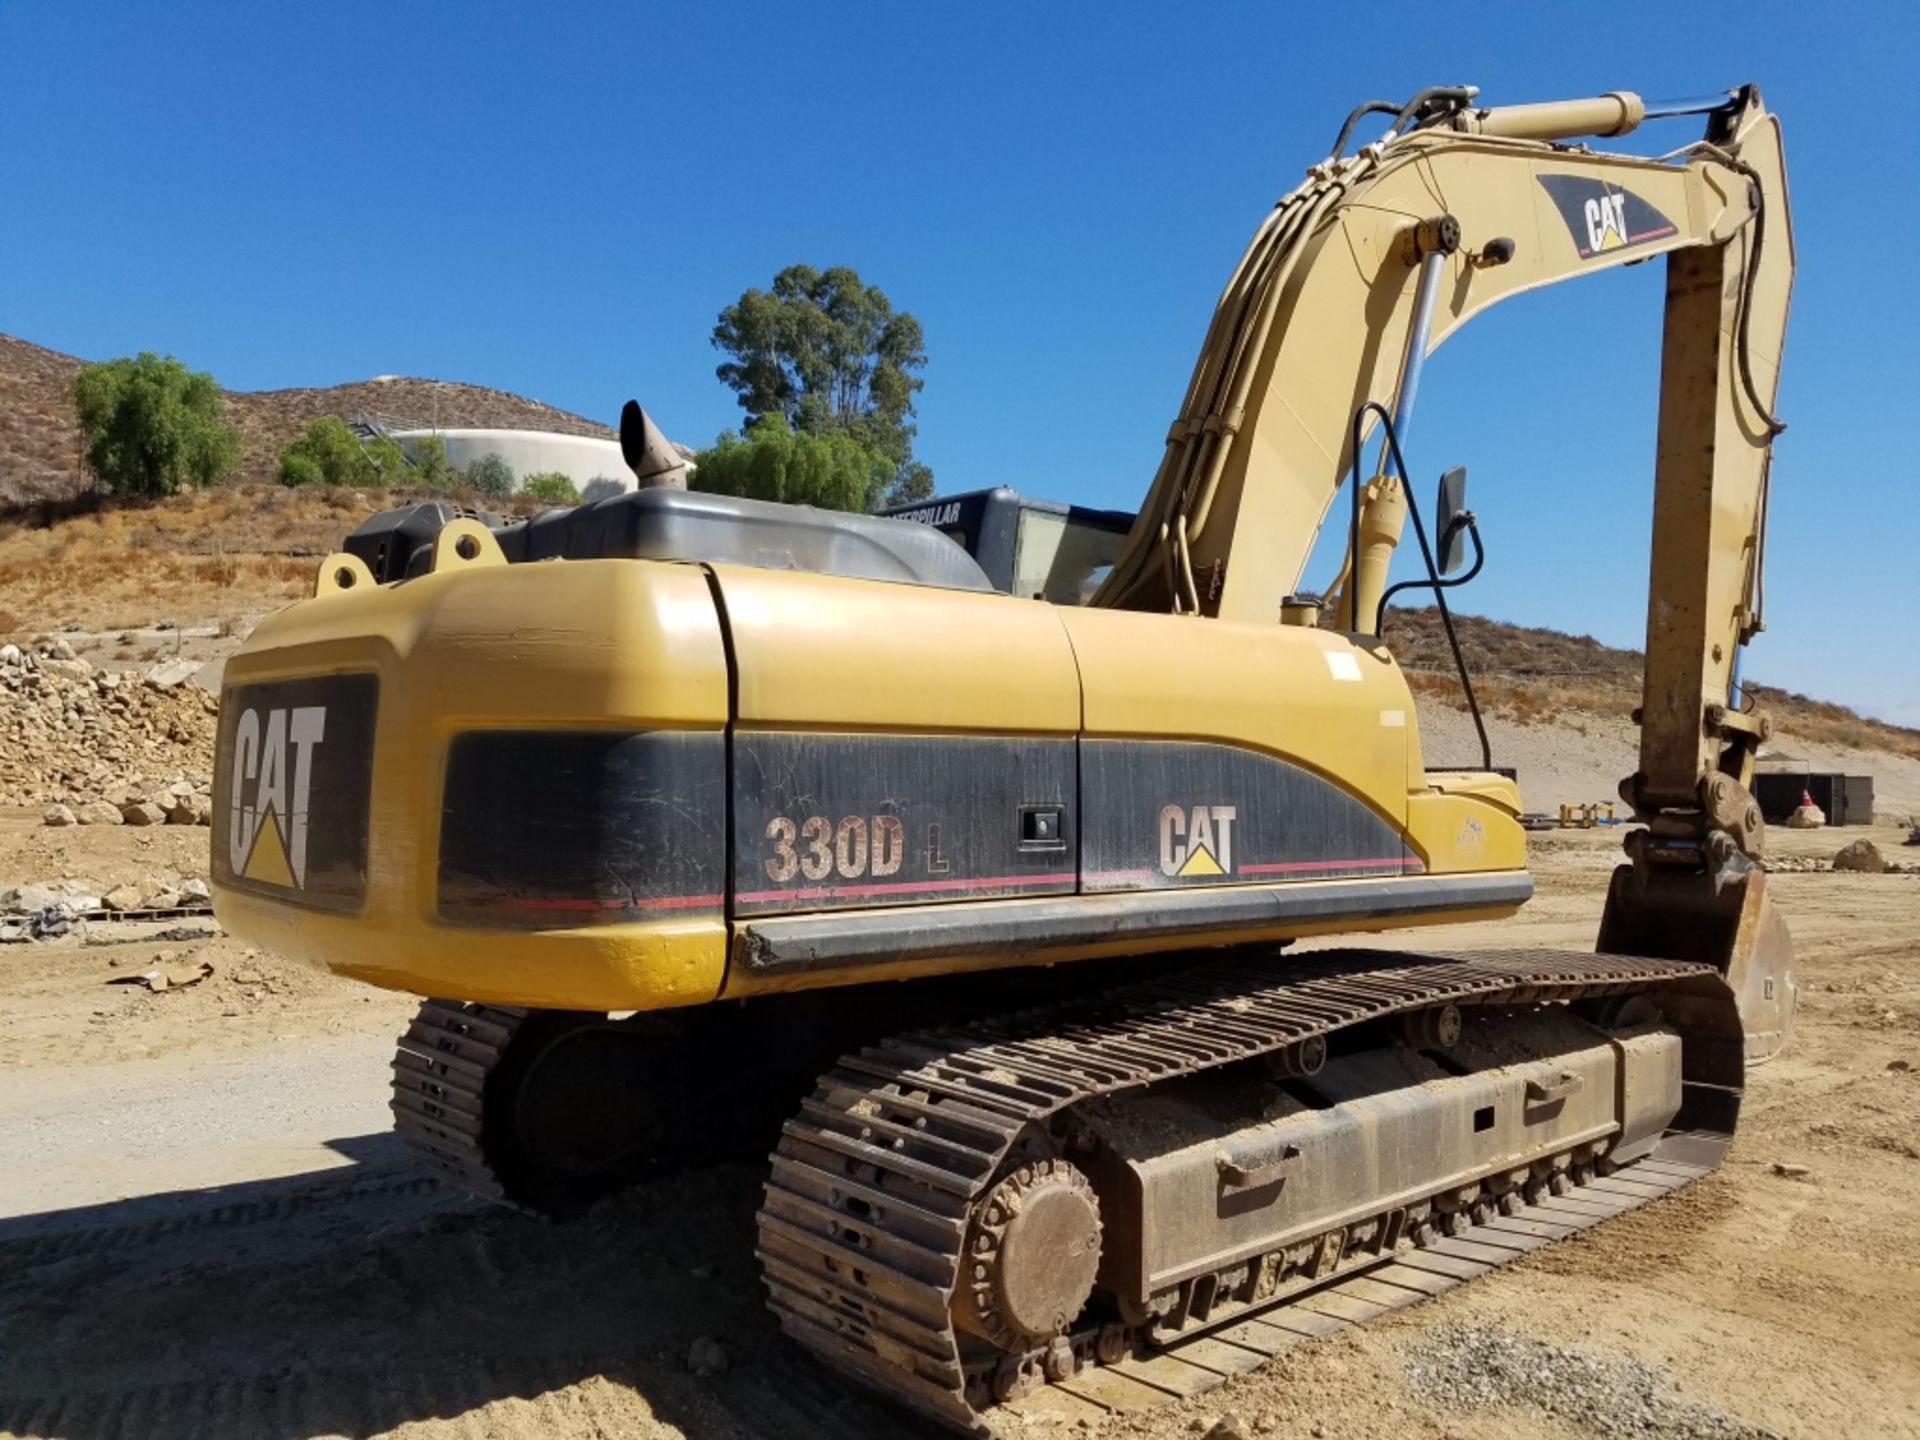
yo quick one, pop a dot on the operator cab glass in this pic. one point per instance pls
(1037, 549)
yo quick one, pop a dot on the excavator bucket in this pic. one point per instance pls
(1729, 922)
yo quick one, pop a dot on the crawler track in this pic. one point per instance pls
(439, 1085)
(871, 1184)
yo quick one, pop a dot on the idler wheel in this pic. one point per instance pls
(1033, 1249)
(1435, 1028)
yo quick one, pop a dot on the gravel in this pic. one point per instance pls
(1466, 1367)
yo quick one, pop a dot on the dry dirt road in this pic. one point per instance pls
(205, 1231)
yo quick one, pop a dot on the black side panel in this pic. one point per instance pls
(1174, 813)
(292, 777)
(830, 821)
(546, 828)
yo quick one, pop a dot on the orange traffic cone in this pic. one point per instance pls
(1808, 816)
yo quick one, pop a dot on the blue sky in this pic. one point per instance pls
(557, 200)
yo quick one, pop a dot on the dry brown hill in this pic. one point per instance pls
(1529, 674)
(40, 449)
(226, 555)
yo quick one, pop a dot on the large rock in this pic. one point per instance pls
(143, 812)
(99, 812)
(61, 815)
(190, 810)
(122, 897)
(69, 669)
(9, 654)
(27, 899)
(173, 673)
(1861, 855)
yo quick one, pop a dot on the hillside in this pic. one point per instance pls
(40, 448)
(218, 559)
(1530, 675)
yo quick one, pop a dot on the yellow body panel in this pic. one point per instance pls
(625, 645)
(1313, 697)
(823, 651)
(579, 645)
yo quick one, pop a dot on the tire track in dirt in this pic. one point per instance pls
(364, 1305)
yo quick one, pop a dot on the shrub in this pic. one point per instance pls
(389, 462)
(551, 487)
(430, 463)
(491, 477)
(299, 468)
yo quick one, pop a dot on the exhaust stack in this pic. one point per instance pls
(654, 462)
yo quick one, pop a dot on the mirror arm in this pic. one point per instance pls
(1466, 518)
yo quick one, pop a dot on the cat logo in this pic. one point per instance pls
(1606, 221)
(1602, 218)
(1197, 841)
(265, 788)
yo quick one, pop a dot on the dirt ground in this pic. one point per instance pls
(206, 1231)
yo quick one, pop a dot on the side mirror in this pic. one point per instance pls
(1450, 520)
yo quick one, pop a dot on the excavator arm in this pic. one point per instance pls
(1362, 271)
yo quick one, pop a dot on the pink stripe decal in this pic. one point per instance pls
(848, 892)
(535, 902)
(1289, 867)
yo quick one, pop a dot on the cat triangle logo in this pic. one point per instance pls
(268, 862)
(1196, 841)
(1200, 861)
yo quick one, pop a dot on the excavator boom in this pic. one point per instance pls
(1335, 304)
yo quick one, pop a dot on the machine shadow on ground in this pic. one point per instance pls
(357, 1300)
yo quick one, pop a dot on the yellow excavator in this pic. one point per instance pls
(711, 827)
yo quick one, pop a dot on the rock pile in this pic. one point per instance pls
(1469, 1367)
(95, 740)
(46, 912)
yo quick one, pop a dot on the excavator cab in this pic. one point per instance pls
(1035, 549)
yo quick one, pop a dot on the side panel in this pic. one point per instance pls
(826, 821)
(1168, 813)
(822, 653)
(615, 646)
(1314, 699)
(555, 827)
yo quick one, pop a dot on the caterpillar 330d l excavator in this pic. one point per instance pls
(714, 825)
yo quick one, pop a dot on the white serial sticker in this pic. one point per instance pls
(1343, 665)
(1394, 719)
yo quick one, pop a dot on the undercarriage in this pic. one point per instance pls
(1132, 1195)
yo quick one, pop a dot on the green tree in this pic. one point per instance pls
(430, 463)
(830, 354)
(329, 451)
(152, 425)
(773, 461)
(550, 487)
(491, 476)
